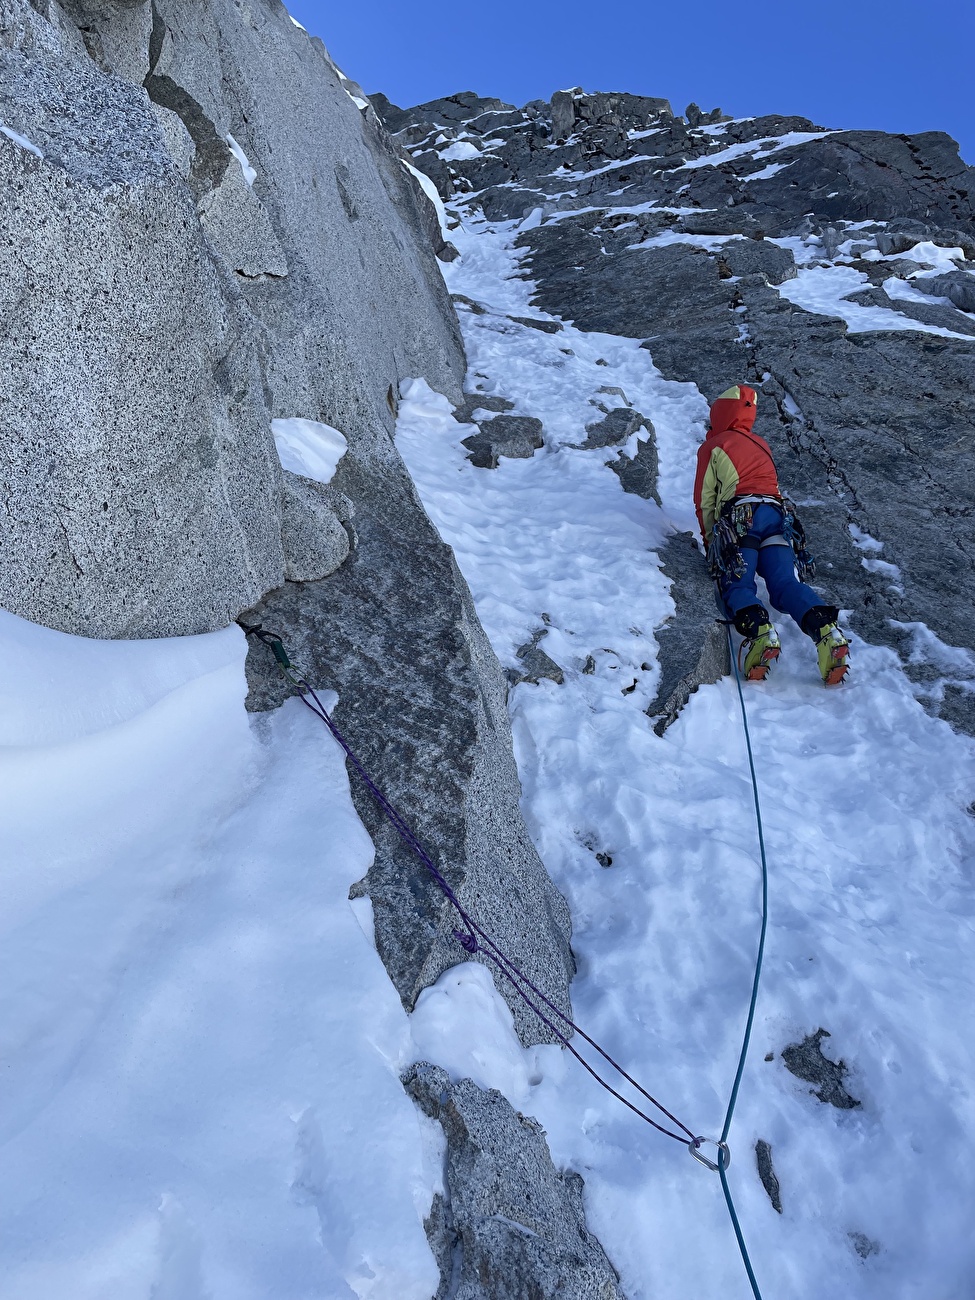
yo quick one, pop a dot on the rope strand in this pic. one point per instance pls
(750, 1020)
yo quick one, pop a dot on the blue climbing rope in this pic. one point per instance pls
(729, 1114)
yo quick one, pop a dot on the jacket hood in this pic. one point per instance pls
(733, 410)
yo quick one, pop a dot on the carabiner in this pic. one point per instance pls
(695, 1143)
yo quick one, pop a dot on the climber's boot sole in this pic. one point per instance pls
(833, 650)
(840, 667)
(759, 671)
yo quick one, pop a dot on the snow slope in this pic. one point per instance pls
(870, 848)
(200, 1095)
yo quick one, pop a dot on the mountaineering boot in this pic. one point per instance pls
(833, 650)
(761, 644)
(832, 647)
(761, 651)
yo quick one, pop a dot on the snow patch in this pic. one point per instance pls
(565, 174)
(460, 149)
(863, 541)
(927, 647)
(465, 1026)
(824, 289)
(22, 140)
(192, 1018)
(309, 448)
(767, 145)
(250, 175)
(713, 243)
(938, 258)
(772, 169)
(432, 193)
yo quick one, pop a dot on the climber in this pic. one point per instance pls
(748, 529)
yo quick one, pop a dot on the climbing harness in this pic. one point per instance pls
(728, 538)
(795, 535)
(724, 551)
(473, 939)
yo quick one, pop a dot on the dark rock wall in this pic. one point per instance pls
(422, 700)
(872, 429)
(509, 1224)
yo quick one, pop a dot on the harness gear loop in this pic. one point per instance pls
(730, 535)
(723, 1150)
(724, 551)
(795, 535)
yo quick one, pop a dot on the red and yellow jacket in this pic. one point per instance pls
(732, 461)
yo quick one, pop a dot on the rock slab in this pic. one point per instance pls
(509, 1225)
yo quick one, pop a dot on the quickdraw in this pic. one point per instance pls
(795, 535)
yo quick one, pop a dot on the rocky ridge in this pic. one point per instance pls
(703, 236)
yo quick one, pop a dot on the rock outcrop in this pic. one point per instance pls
(219, 232)
(517, 436)
(699, 236)
(693, 646)
(508, 1224)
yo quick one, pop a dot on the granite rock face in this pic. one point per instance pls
(204, 232)
(959, 286)
(422, 699)
(312, 529)
(693, 646)
(691, 235)
(509, 1224)
(140, 483)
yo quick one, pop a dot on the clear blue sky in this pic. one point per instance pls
(894, 66)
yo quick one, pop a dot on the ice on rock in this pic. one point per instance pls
(460, 149)
(825, 290)
(767, 145)
(22, 140)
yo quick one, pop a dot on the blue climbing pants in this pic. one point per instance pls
(766, 552)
